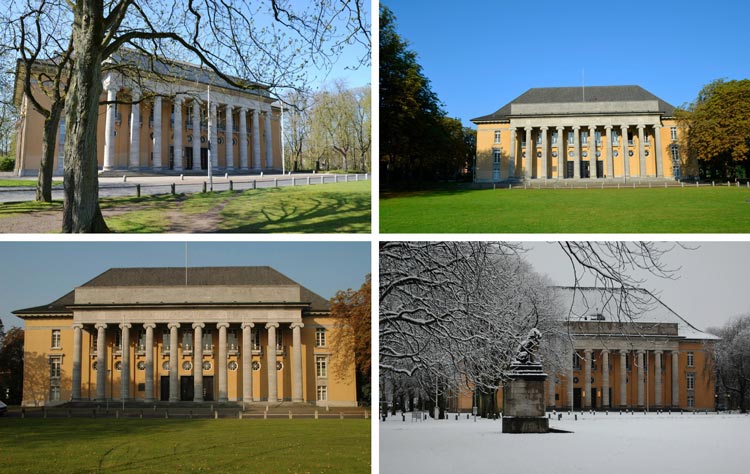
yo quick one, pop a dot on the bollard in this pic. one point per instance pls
(510, 186)
(226, 175)
(316, 415)
(275, 182)
(231, 185)
(70, 414)
(346, 178)
(341, 416)
(366, 415)
(182, 177)
(204, 186)
(335, 178)
(293, 180)
(190, 414)
(265, 415)
(93, 413)
(124, 178)
(216, 415)
(138, 190)
(308, 181)
(290, 414)
(253, 184)
(559, 416)
(141, 414)
(23, 413)
(117, 414)
(403, 417)
(173, 189)
(239, 415)
(494, 187)
(44, 412)
(166, 414)
(261, 174)
(713, 184)
(576, 417)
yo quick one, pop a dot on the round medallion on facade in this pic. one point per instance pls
(234, 141)
(554, 154)
(151, 136)
(232, 365)
(539, 154)
(203, 139)
(187, 365)
(141, 365)
(206, 365)
(575, 379)
(615, 153)
(165, 365)
(598, 154)
(571, 154)
(279, 365)
(585, 154)
(256, 365)
(646, 152)
(190, 139)
(630, 153)
(523, 155)
(221, 141)
(118, 365)
(94, 365)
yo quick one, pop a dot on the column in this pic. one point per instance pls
(223, 362)
(196, 134)
(247, 362)
(610, 158)
(134, 157)
(213, 134)
(198, 362)
(76, 389)
(577, 152)
(529, 154)
(641, 151)
(512, 168)
(271, 362)
(174, 380)
(592, 151)
(125, 369)
(587, 376)
(623, 379)
(657, 379)
(605, 379)
(256, 139)
(101, 361)
(109, 129)
(177, 133)
(640, 378)
(228, 134)
(269, 141)
(243, 139)
(675, 380)
(624, 146)
(571, 383)
(157, 134)
(297, 362)
(561, 152)
(658, 151)
(149, 397)
(545, 146)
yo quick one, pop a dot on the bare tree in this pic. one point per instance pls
(731, 358)
(296, 129)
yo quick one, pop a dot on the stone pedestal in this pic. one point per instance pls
(524, 403)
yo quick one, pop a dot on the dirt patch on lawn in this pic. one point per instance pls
(207, 222)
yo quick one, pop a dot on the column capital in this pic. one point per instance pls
(297, 325)
(149, 325)
(624, 126)
(623, 351)
(608, 127)
(656, 126)
(513, 129)
(272, 325)
(100, 325)
(559, 127)
(222, 325)
(177, 99)
(125, 325)
(528, 129)
(605, 351)
(588, 351)
(544, 129)
(658, 351)
(243, 109)
(198, 325)
(173, 325)
(576, 127)
(641, 351)
(640, 126)
(77, 326)
(248, 325)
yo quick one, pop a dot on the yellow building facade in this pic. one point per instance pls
(226, 334)
(164, 123)
(604, 132)
(657, 361)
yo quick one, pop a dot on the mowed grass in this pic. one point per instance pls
(22, 182)
(640, 210)
(184, 446)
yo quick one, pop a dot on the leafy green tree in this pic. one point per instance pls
(11, 367)
(717, 129)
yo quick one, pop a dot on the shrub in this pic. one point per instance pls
(7, 163)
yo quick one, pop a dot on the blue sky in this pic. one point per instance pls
(36, 273)
(480, 55)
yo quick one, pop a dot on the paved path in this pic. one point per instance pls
(150, 185)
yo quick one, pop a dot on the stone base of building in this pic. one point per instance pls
(525, 424)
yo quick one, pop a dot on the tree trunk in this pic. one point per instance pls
(81, 212)
(49, 140)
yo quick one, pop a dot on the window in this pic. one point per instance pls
(576, 361)
(496, 164)
(322, 393)
(690, 379)
(691, 401)
(279, 341)
(593, 364)
(94, 340)
(690, 359)
(615, 137)
(598, 136)
(673, 133)
(630, 138)
(497, 136)
(554, 138)
(320, 337)
(232, 343)
(539, 136)
(187, 341)
(571, 138)
(627, 362)
(55, 367)
(54, 394)
(142, 340)
(165, 342)
(584, 137)
(207, 340)
(118, 341)
(255, 337)
(55, 338)
(321, 366)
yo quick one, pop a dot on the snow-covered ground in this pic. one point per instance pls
(629, 443)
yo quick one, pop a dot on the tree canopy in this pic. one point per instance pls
(717, 126)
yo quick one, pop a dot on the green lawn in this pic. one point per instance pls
(182, 446)
(641, 210)
(22, 182)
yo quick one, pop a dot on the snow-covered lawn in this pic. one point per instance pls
(635, 444)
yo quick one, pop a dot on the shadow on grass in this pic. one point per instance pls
(29, 207)
(329, 212)
(443, 189)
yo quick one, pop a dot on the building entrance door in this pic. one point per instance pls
(599, 169)
(164, 388)
(204, 158)
(585, 169)
(576, 398)
(594, 402)
(568, 169)
(188, 157)
(186, 388)
(208, 388)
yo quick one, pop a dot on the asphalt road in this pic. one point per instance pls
(115, 187)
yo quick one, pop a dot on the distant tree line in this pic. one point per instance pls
(418, 142)
(328, 130)
(11, 365)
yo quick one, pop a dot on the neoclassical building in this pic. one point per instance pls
(161, 124)
(581, 133)
(228, 334)
(656, 361)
